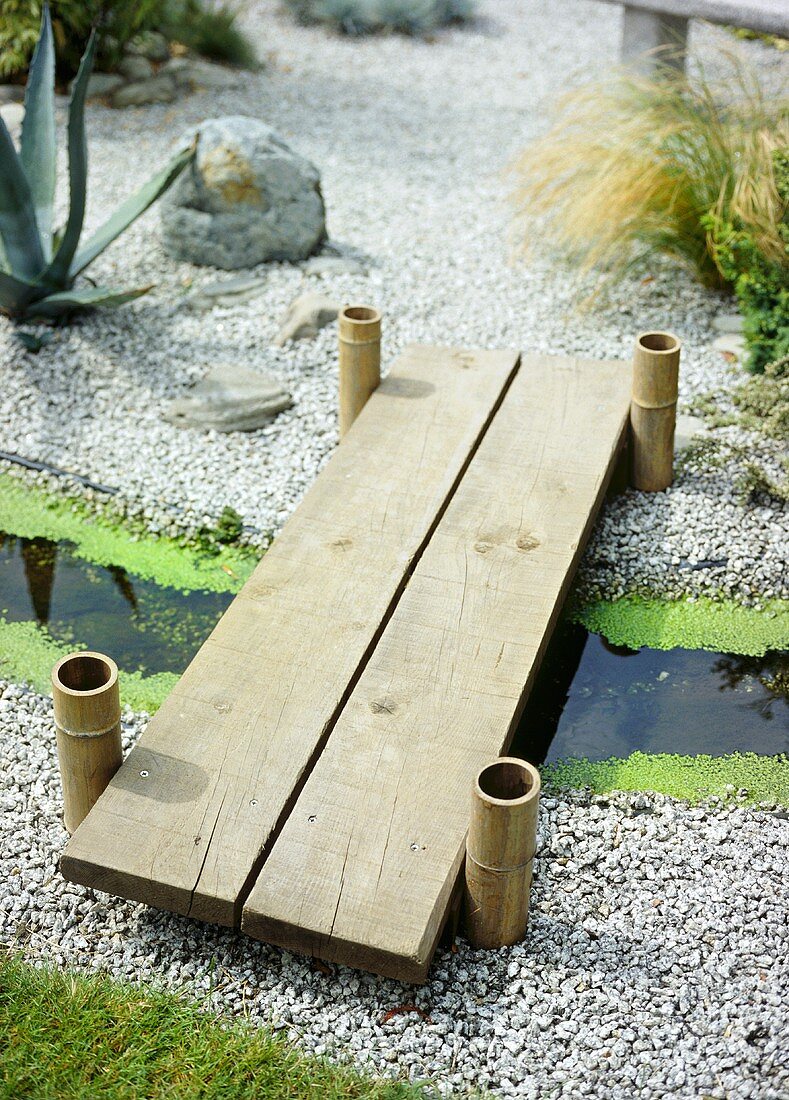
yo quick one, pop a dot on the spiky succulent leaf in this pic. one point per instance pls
(130, 210)
(57, 272)
(38, 151)
(70, 301)
(18, 227)
(15, 293)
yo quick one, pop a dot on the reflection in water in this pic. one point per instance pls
(140, 624)
(594, 700)
(772, 672)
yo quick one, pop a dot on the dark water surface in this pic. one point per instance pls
(141, 625)
(595, 700)
(590, 699)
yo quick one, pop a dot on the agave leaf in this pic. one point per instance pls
(69, 301)
(18, 226)
(15, 293)
(57, 272)
(130, 210)
(37, 147)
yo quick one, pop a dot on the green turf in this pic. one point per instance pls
(718, 625)
(765, 778)
(29, 513)
(28, 652)
(70, 1037)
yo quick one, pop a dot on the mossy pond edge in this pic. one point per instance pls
(27, 652)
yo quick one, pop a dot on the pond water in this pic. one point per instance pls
(590, 699)
(141, 625)
(595, 700)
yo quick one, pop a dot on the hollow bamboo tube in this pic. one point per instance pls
(653, 410)
(500, 852)
(88, 725)
(360, 360)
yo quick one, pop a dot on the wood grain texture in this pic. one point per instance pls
(185, 821)
(365, 868)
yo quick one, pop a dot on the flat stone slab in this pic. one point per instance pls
(688, 427)
(229, 399)
(225, 292)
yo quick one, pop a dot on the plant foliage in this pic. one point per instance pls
(210, 28)
(117, 21)
(39, 264)
(67, 1036)
(369, 16)
(750, 245)
(634, 166)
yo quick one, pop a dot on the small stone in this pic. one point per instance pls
(730, 323)
(731, 343)
(135, 69)
(101, 84)
(225, 292)
(12, 115)
(11, 93)
(150, 44)
(307, 315)
(207, 75)
(333, 265)
(229, 399)
(688, 427)
(159, 89)
(181, 69)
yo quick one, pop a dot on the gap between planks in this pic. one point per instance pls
(364, 869)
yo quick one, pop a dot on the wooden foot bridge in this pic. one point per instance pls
(308, 779)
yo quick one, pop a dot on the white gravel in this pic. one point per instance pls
(412, 139)
(656, 963)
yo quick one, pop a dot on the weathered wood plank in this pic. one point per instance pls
(364, 869)
(185, 821)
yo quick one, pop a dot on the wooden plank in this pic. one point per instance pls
(364, 869)
(185, 822)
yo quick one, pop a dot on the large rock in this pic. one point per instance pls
(246, 198)
(229, 399)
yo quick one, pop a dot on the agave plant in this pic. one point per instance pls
(39, 265)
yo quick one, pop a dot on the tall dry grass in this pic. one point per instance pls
(632, 165)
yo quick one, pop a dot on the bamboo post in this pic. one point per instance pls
(360, 360)
(500, 851)
(88, 725)
(653, 410)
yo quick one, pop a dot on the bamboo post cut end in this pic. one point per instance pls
(360, 360)
(86, 698)
(500, 851)
(653, 410)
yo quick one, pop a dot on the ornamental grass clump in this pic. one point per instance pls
(39, 264)
(634, 166)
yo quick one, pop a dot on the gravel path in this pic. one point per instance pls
(657, 960)
(412, 139)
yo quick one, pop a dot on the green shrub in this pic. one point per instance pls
(369, 16)
(210, 28)
(39, 264)
(117, 21)
(763, 401)
(758, 272)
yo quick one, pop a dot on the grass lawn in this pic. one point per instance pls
(64, 1036)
